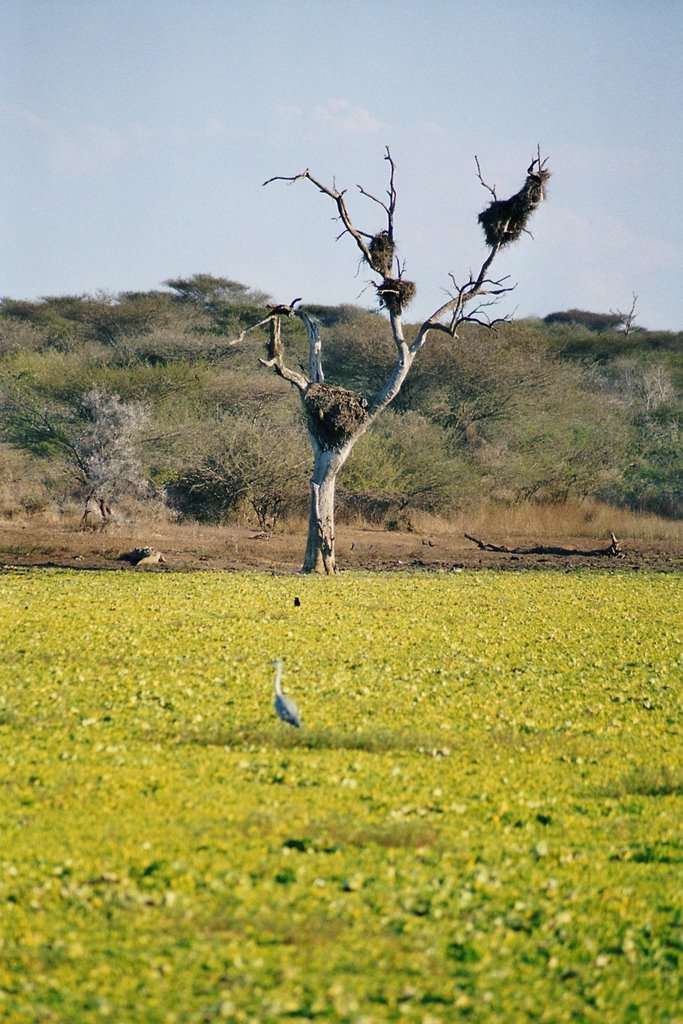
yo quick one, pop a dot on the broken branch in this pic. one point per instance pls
(614, 549)
(338, 198)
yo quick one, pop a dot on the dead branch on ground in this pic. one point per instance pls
(614, 549)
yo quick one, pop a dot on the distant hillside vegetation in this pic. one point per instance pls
(144, 390)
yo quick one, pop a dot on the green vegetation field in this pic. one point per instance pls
(480, 820)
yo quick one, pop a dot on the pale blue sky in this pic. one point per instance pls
(137, 134)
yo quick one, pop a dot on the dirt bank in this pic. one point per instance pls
(238, 548)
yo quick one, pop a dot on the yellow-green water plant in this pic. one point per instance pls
(479, 820)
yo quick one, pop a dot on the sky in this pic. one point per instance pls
(138, 134)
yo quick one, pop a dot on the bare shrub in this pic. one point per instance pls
(251, 466)
(404, 465)
(95, 436)
(27, 487)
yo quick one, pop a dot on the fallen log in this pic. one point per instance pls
(614, 549)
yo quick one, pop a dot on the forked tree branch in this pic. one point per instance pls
(338, 197)
(390, 207)
(451, 314)
(247, 330)
(276, 359)
(456, 307)
(489, 188)
(357, 234)
(515, 210)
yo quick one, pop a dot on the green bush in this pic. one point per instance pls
(563, 408)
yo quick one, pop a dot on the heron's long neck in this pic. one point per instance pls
(277, 681)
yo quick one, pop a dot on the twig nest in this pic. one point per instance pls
(504, 220)
(334, 413)
(395, 293)
(382, 250)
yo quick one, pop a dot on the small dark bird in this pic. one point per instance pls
(297, 602)
(283, 309)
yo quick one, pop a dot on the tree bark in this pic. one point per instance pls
(320, 553)
(93, 505)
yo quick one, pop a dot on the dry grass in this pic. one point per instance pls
(561, 522)
(526, 521)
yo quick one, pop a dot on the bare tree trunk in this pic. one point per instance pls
(93, 506)
(320, 556)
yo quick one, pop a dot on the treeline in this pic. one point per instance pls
(112, 400)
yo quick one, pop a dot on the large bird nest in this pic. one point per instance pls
(334, 413)
(504, 220)
(381, 249)
(395, 293)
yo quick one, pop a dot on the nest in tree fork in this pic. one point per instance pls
(504, 220)
(334, 413)
(381, 249)
(395, 293)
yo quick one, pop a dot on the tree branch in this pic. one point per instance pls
(338, 198)
(315, 366)
(456, 305)
(378, 253)
(489, 188)
(517, 209)
(391, 192)
(613, 550)
(275, 360)
(241, 337)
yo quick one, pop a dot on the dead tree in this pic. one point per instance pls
(337, 417)
(626, 320)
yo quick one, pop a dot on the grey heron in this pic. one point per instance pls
(285, 707)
